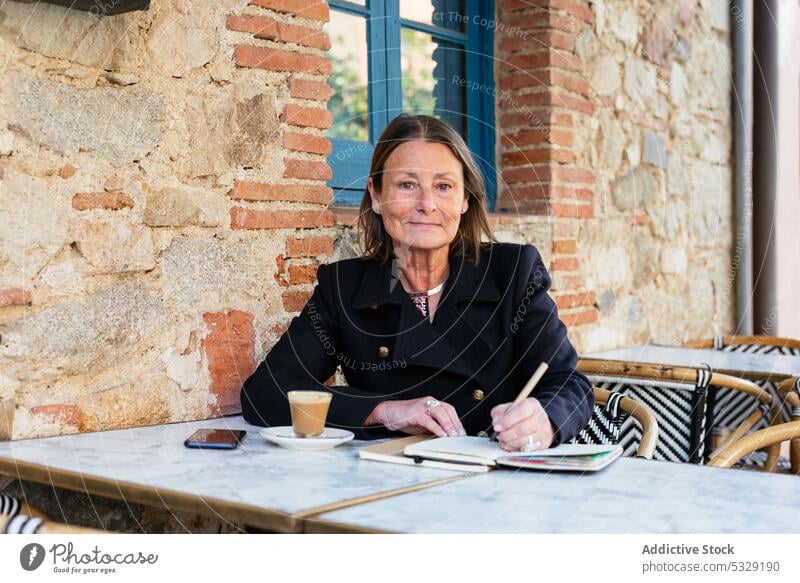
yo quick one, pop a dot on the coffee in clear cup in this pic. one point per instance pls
(309, 410)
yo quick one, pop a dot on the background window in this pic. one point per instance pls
(350, 77)
(393, 56)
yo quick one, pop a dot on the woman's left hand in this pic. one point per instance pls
(528, 418)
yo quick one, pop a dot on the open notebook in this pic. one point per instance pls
(473, 454)
(392, 452)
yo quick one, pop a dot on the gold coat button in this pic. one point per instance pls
(478, 395)
(383, 352)
(482, 434)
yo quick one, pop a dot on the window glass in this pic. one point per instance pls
(433, 77)
(349, 103)
(445, 13)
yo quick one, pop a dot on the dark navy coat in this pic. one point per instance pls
(494, 324)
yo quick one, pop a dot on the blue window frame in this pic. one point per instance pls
(437, 62)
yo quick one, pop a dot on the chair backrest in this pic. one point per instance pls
(20, 524)
(10, 506)
(789, 392)
(610, 410)
(750, 344)
(19, 518)
(24, 524)
(678, 397)
(731, 409)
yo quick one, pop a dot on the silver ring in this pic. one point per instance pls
(531, 444)
(430, 405)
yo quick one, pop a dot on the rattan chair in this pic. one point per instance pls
(732, 408)
(17, 517)
(740, 448)
(610, 410)
(23, 524)
(750, 344)
(678, 397)
(10, 507)
(789, 390)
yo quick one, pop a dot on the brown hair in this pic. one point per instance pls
(474, 223)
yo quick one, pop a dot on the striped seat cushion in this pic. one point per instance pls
(22, 524)
(8, 506)
(679, 407)
(719, 344)
(759, 459)
(731, 407)
(604, 426)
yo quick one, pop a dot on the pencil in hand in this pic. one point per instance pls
(524, 393)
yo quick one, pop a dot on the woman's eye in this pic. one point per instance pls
(444, 187)
(406, 185)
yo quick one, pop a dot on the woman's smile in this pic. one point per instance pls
(421, 199)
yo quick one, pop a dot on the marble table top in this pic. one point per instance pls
(752, 366)
(630, 496)
(259, 484)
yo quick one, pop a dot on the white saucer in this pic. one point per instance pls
(285, 437)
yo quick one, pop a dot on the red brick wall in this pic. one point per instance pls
(303, 121)
(541, 90)
(283, 37)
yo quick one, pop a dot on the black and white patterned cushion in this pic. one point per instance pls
(22, 524)
(8, 506)
(605, 425)
(732, 407)
(679, 407)
(759, 458)
(718, 343)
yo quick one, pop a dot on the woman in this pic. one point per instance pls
(434, 331)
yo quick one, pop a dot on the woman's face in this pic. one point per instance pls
(422, 196)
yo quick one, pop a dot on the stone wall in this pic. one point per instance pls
(615, 123)
(163, 205)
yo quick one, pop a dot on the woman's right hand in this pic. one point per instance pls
(411, 416)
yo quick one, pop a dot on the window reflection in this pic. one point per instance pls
(349, 102)
(433, 77)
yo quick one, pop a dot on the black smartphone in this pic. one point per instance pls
(215, 438)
